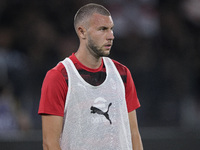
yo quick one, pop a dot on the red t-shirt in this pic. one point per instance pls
(55, 86)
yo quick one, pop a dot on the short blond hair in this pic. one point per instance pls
(87, 11)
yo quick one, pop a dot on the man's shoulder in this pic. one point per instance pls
(59, 69)
(120, 67)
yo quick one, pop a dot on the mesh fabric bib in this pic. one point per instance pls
(95, 117)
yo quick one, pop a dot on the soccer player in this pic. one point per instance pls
(89, 101)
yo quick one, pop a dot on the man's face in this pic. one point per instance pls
(100, 35)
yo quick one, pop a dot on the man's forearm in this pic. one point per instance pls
(137, 142)
(51, 146)
(135, 134)
(51, 130)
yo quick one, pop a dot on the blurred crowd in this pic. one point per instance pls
(158, 40)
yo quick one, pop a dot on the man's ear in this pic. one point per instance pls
(81, 32)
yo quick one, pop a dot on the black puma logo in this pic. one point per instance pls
(100, 112)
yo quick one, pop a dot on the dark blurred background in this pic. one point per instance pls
(158, 40)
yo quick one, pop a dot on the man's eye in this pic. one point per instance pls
(102, 29)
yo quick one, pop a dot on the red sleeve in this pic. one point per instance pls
(130, 90)
(131, 94)
(53, 94)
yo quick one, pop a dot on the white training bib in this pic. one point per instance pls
(95, 117)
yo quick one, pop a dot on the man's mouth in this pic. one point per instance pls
(108, 46)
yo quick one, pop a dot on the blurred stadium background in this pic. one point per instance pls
(158, 40)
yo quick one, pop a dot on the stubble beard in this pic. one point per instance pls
(96, 50)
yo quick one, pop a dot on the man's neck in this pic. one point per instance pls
(88, 60)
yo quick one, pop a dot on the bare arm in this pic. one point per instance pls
(51, 130)
(136, 138)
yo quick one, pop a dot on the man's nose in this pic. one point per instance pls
(110, 35)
